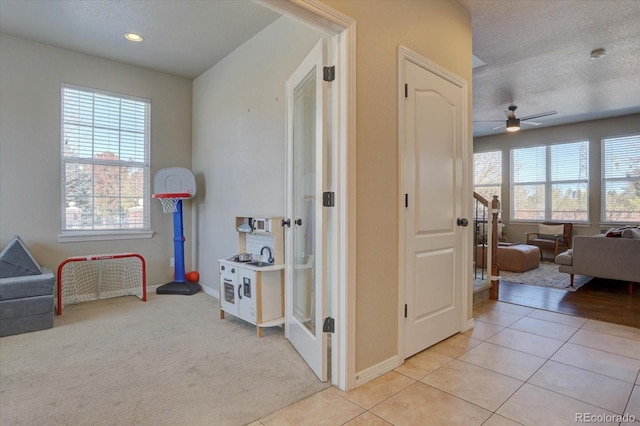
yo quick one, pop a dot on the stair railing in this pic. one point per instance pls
(486, 242)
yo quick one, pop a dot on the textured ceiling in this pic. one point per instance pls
(181, 37)
(538, 57)
(536, 51)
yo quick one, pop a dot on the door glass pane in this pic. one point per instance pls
(304, 201)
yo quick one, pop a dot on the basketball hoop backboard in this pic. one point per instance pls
(174, 180)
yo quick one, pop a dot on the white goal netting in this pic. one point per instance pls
(99, 277)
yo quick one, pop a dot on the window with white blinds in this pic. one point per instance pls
(550, 183)
(621, 179)
(105, 161)
(487, 174)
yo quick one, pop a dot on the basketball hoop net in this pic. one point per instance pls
(170, 201)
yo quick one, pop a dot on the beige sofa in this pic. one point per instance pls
(603, 257)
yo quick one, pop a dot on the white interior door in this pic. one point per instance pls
(434, 281)
(305, 295)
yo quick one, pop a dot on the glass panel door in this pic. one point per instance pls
(305, 265)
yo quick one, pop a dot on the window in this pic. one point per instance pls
(105, 161)
(621, 179)
(487, 174)
(550, 183)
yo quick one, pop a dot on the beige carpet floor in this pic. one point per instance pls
(168, 361)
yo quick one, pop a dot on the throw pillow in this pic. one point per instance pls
(617, 232)
(633, 233)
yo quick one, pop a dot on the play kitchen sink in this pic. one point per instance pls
(252, 281)
(260, 264)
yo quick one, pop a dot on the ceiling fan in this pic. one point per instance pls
(512, 123)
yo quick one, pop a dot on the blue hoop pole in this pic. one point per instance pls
(178, 244)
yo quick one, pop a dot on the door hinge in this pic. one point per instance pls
(329, 73)
(405, 310)
(329, 325)
(406, 90)
(406, 200)
(328, 199)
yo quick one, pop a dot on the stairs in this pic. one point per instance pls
(481, 290)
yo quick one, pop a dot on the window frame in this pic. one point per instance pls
(604, 180)
(548, 184)
(67, 233)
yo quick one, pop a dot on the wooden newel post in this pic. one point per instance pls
(495, 270)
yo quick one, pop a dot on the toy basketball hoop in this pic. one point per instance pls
(170, 201)
(172, 185)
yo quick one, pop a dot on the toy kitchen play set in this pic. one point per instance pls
(252, 281)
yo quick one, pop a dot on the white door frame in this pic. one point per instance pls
(343, 182)
(405, 54)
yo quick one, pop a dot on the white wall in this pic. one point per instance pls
(31, 75)
(239, 138)
(593, 131)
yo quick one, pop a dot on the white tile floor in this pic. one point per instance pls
(518, 366)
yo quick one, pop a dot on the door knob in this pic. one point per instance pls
(462, 221)
(298, 222)
(286, 222)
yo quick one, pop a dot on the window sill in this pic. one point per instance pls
(79, 236)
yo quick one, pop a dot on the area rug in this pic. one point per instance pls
(546, 275)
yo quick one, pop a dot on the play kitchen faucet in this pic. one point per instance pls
(270, 259)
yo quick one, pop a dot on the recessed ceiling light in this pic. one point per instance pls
(136, 38)
(597, 53)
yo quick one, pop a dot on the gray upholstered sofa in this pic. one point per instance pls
(603, 257)
(26, 291)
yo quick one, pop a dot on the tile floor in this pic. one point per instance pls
(518, 366)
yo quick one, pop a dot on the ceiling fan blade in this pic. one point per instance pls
(533, 123)
(488, 121)
(543, 114)
(498, 127)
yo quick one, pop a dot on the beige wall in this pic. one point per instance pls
(441, 32)
(31, 75)
(593, 131)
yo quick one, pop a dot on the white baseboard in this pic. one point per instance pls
(377, 370)
(211, 292)
(470, 325)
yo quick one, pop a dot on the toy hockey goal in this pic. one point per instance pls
(95, 277)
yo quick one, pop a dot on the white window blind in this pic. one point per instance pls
(487, 174)
(621, 179)
(550, 182)
(105, 161)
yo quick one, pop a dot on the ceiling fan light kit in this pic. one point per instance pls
(513, 124)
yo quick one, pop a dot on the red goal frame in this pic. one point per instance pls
(101, 257)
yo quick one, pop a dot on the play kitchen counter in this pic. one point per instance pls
(252, 293)
(253, 290)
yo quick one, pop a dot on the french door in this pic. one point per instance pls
(306, 264)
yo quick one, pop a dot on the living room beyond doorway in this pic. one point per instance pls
(599, 299)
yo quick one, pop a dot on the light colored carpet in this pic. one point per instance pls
(168, 361)
(546, 275)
